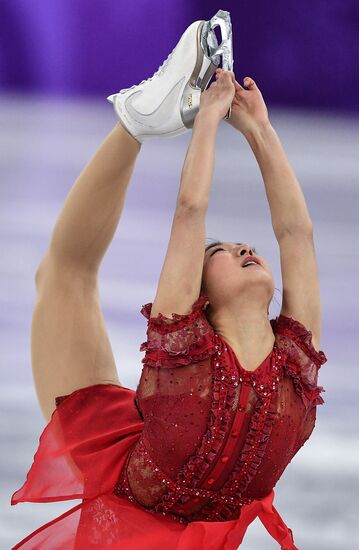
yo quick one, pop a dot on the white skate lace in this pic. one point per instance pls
(159, 71)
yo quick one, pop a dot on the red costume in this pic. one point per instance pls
(191, 458)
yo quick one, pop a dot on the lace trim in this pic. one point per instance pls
(258, 433)
(229, 498)
(122, 487)
(162, 319)
(310, 396)
(224, 389)
(225, 503)
(198, 351)
(184, 339)
(296, 331)
(176, 495)
(186, 486)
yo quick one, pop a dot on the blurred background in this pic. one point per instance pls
(58, 62)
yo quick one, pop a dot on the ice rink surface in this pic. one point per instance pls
(44, 145)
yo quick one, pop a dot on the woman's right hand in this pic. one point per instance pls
(218, 97)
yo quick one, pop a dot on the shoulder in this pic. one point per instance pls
(179, 340)
(290, 332)
(301, 360)
(161, 320)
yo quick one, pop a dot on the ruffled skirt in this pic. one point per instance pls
(81, 453)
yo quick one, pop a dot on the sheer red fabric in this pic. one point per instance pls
(189, 459)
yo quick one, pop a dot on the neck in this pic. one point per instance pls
(246, 328)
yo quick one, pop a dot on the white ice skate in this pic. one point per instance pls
(166, 104)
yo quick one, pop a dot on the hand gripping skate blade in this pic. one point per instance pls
(225, 48)
(207, 62)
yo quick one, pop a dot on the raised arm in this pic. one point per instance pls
(291, 221)
(180, 279)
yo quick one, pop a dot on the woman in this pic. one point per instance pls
(226, 397)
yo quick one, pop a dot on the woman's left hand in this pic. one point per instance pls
(248, 107)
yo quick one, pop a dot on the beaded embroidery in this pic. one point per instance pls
(187, 339)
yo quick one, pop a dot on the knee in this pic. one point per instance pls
(52, 273)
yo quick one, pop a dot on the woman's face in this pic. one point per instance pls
(224, 275)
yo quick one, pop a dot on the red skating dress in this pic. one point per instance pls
(191, 458)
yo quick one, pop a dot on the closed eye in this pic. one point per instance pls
(217, 251)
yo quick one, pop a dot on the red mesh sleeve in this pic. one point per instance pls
(179, 341)
(303, 361)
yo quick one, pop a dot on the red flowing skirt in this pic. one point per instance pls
(81, 453)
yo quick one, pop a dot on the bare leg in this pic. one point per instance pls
(93, 207)
(69, 341)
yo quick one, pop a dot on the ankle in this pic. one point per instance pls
(120, 127)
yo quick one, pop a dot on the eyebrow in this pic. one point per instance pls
(217, 243)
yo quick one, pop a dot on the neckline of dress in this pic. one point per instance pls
(247, 371)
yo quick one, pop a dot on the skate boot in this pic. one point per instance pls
(166, 104)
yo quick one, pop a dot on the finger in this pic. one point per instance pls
(222, 72)
(226, 78)
(233, 79)
(228, 74)
(249, 83)
(238, 86)
(231, 76)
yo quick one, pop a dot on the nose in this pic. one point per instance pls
(244, 250)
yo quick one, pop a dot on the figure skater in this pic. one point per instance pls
(226, 397)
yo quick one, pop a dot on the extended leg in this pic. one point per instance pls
(93, 207)
(70, 344)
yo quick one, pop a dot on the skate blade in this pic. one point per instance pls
(223, 52)
(210, 54)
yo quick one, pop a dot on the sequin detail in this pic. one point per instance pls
(251, 419)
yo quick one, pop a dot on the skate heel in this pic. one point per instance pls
(210, 55)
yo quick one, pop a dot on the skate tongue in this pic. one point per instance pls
(111, 98)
